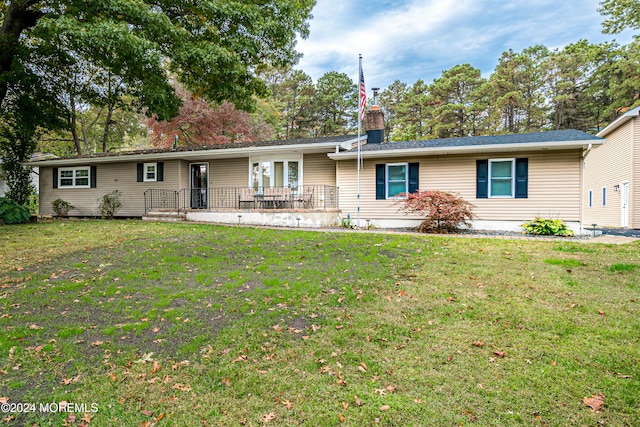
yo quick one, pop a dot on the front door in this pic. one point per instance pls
(624, 204)
(199, 186)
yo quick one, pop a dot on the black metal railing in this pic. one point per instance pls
(304, 197)
(155, 198)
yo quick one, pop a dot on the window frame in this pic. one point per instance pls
(257, 182)
(387, 181)
(512, 179)
(74, 177)
(145, 172)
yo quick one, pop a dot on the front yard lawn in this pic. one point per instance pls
(107, 323)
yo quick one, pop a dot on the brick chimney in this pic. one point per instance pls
(374, 125)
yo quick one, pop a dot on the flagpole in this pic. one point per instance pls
(360, 86)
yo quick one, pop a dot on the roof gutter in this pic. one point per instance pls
(467, 149)
(247, 151)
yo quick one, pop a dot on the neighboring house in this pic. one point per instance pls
(509, 179)
(612, 175)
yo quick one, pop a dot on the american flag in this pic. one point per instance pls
(363, 95)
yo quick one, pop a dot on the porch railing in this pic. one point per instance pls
(305, 197)
(155, 198)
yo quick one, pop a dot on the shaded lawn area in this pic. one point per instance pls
(143, 324)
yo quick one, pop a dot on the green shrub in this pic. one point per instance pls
(444, 212)
(61, 207)
(109, 204)
(12, 212)
(547, 227)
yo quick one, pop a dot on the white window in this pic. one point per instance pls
(150, 172)
(275, 172)
(501, 178)
(74, 177)
(397, 179)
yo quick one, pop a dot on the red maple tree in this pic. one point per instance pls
(200, 124)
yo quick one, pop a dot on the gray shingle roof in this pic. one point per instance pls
(478, 141)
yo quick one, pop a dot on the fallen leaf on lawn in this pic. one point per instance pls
(338, 327)
(4, 399)
(242, 358)
(385, 407)
(417, 400)
(269, 417)
(380, 391)
(226, 381)
(341, 418)
(97, 343)
(71, 418)
(34, 326)
(86, 418)
(594, 402)
(181, 387)
(601, 313)
(500, 354)
(146, 412)
(156, 367)
(345, 405)
(478, 343)
(287, 404)
(66, 381)
(391, 388)
(357, 401)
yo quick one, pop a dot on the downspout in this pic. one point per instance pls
(582, 188)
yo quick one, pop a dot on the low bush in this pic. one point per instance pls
(109, 204)
(444, 212)
(61, 207)
(12, 212)
(547, 227)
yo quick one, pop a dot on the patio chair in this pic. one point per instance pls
(246, 195)
(304, 199)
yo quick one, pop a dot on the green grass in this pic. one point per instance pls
(185, 324)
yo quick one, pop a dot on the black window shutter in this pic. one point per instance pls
(380, 182)
(482, 179)
(140, 172)
(93, 177)
(522, 173)
(413, 177)
(55, 177)
(160, 171)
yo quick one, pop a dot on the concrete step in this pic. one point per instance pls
(167, 216)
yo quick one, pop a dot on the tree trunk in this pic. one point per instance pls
(17, 19)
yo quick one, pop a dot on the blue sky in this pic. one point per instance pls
(408, 40)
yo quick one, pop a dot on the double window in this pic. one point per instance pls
(75, 177)
(395, 179)
(502, 178)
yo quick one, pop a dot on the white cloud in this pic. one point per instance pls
(409, 40)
